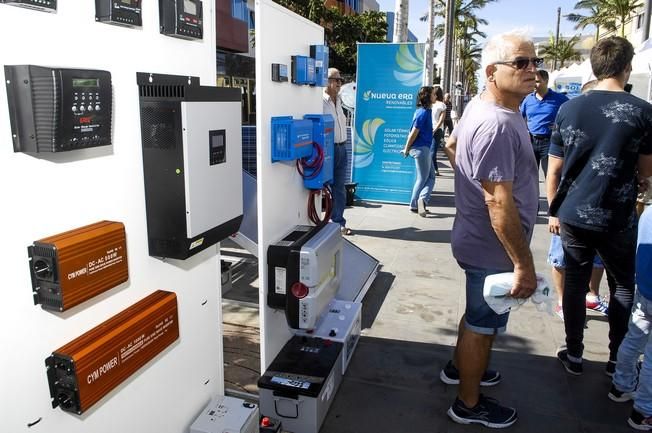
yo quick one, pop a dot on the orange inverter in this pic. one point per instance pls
(72, 267)
(89, 367)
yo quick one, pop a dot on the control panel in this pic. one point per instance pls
(181, 18)
(40, 5)
(58, 109)
(120, 12)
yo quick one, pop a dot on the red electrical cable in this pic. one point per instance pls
(327, 203)
(313, 162)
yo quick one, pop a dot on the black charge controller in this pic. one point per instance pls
(120, 12)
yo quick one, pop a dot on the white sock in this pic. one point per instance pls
(592, 298)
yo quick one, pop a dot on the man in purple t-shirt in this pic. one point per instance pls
(496, 197)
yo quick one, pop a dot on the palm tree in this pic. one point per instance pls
(466, 34)
(564, 50)
(622, 9)
(401, 20)
(595, 16)
(605, 13)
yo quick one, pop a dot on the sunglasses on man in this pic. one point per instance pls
(339, 80)
(523, 62)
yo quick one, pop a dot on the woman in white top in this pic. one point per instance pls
(438, 116)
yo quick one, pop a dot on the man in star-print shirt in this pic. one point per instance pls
(602, 147)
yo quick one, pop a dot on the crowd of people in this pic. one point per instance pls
(595, 151)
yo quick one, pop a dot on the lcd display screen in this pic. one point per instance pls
(189, 7)
(85, 82)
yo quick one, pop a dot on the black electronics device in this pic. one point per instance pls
(283, 264)
(192, 163)
(181, 18)
(39, 5)
(279, 72)
(120, 12)
(58, 109)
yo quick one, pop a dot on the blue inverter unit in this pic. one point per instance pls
(324, 135)
(320, 54)
(291, 138)
(303, 70)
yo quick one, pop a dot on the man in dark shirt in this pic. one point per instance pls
(539, 109)
(603, 143)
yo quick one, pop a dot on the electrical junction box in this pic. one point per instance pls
(72, 267)
(279, 72)
(291, 138)
(342, 322)
(304, 269)
(126, 13)
(303, 70)
(323, 135)
(39, 5)
(83, 371)
(320, 54)
(300, 384)
(227, 415)
(58, 109)
(192, 163)
(181, 18)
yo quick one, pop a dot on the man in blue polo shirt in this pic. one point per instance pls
(540, 109)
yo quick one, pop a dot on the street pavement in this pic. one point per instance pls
(410, 318)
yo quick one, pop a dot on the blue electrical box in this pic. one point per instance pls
(320, 54)
(323, 134)
(291, 138)
(303, 70)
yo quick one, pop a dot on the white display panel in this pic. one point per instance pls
(48, 194)
(282, 199)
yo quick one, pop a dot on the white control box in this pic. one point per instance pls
(227, 415)
(342, 322)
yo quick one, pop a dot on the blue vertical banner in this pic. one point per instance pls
(388, 79)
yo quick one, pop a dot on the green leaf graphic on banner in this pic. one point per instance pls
(363, 149)
(366, 95)
(410, 63)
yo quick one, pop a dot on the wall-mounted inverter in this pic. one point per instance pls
(83, 371)
(192, 163)
(74, 266)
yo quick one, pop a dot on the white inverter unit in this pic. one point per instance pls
(192, 163)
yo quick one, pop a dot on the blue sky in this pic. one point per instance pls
(538, 16)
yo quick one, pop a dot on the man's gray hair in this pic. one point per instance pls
(499, 47)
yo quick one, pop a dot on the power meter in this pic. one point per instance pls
(57, 109)
(39, 5)
(181, 18)
(120, 12)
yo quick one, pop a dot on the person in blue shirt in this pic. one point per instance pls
(639, 338)
(540, 108)
(418, 147)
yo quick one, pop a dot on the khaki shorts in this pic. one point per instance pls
(646, 197)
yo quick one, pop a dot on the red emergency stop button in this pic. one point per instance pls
(264, 422)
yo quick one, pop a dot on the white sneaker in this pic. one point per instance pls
(421, 207)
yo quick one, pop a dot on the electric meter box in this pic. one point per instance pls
(181, 18)
(39, 5)
(227, 415)
(303, 70)
(126, 13)
(56, 109)
(320, 54)
(323, 135)
(291, 138)
(192, 163)
(342, 322)
(300, 384)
